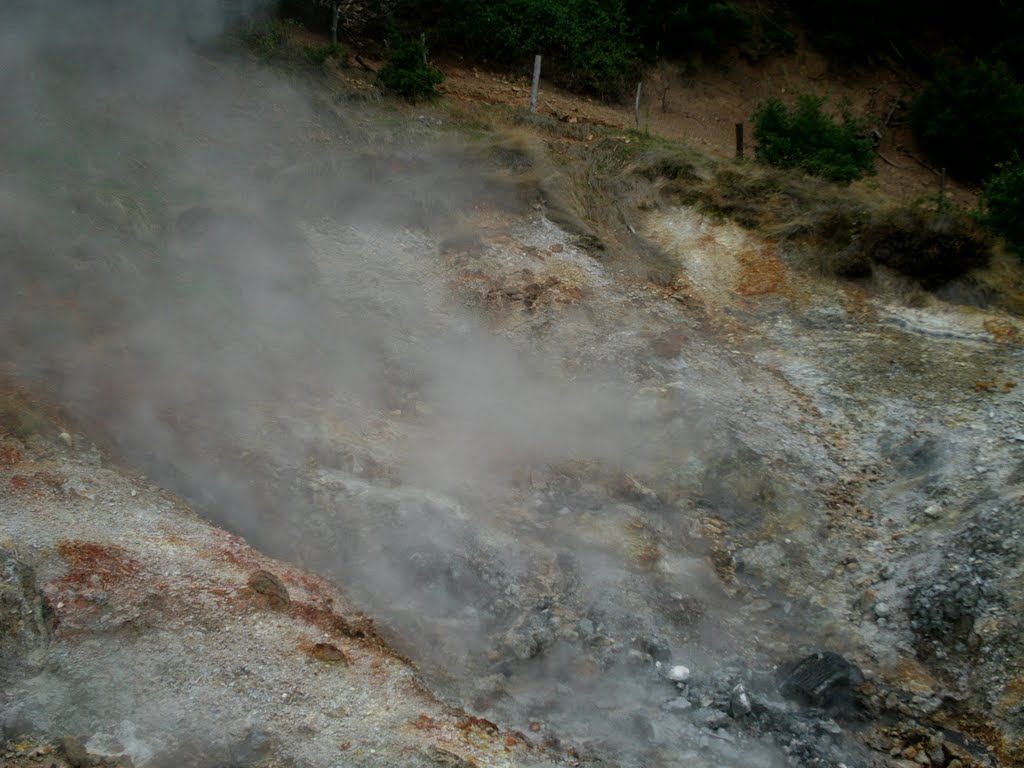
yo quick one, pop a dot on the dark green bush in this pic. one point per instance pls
(932, 246)
(587, 44)
(318, 54)
(406, 71)
(803, 136)
(676, 30)
(858, 31)
(1003, 205)
(864, 31)
(971, 118)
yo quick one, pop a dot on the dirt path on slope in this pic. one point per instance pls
(701, 106)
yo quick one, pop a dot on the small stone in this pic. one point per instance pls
(586, 628)
(521, 645)
(830, 726)
(679, 704)
(739, 701)
(933, 511)
(882, 610)
(66, 438)
(678, 673)
(955, 763)
(267, 584)
(936, 753)
(423, 410)
(709, 718)
(75, 752)
(327, 652)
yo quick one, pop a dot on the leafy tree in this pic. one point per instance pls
(406, 71)
(971, 118)
(803, 136)
(1003, 205)
(586, 44)
(674, 29)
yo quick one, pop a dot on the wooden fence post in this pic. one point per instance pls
(636, 104)
(536, 83)
(739, 141)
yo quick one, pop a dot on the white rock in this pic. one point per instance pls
(678, 673)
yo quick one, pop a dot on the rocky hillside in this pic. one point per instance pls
(558, 465)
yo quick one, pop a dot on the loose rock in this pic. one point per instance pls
(271, 587)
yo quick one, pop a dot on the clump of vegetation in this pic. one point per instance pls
(18, 418)
(318, 54)
(1003, 205)
(971, 118)
(268, 38)
(586, 45)
(932, 246)
(805, 137)
(677, 30)
(407, 72)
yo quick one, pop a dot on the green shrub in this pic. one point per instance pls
(587, 45)
(407, 73)
(267, 37)
(932, 246)
(805, 137)
(971, 118)
(1003, 205)
(318, 54)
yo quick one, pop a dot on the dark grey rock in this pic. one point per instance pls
(739, 701)
(825, 680)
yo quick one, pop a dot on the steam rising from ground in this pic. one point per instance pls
(224, 272)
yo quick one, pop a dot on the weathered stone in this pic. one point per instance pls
(26, 620)
(825, 680)
(739, 701)
(678, 673)
(75, 753)
(271, 587)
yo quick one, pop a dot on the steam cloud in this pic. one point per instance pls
(202, 258)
